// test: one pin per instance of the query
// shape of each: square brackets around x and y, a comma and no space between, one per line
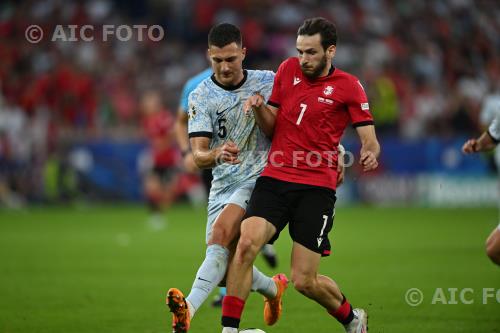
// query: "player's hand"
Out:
[368,160]
[189,164]
[253,102]
[228,153]
[470,146]
[340,169]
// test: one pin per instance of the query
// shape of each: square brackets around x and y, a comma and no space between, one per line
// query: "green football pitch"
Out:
[104,269]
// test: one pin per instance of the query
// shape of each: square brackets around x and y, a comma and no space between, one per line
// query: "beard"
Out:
[316,71]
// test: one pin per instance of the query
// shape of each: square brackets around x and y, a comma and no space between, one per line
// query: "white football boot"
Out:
[360,322]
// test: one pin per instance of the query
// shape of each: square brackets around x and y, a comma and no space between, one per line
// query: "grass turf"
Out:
[103,269]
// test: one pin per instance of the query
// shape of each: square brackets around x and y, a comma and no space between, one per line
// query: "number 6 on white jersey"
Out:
[303,108]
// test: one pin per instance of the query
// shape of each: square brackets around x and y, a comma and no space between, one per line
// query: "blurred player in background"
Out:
[224,139]
[161,181]
[311,104]
[181,127]
[488,141]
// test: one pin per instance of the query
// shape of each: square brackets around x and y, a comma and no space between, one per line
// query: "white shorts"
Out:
[238,196]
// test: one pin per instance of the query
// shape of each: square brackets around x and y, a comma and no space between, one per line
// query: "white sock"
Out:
[263,284]
[191,309]
[209,275]
[229,330]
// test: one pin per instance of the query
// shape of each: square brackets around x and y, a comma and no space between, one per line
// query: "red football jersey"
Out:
[158,128]
[312,117]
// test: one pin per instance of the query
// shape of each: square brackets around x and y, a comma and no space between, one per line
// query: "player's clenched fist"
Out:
[470,146]
[254,101]
[368,160]
[228,153]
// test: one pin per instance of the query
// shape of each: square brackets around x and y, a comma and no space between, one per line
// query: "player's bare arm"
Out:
[181,135]
[340,165]
[206,158]
[181,130]
[370,148]
[483,143]
[265,115]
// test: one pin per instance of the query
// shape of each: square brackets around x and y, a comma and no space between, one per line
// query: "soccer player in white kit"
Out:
[488,141]
[232,144]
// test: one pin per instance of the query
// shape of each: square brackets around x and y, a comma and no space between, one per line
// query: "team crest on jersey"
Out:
[328,90]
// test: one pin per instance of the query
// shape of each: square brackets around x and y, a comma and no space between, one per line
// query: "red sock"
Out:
[232,308]
[344,313]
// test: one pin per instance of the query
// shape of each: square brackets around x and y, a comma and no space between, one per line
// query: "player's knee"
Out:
[247,249]
[303,283]
[220,235]
[493,252]
[493,247]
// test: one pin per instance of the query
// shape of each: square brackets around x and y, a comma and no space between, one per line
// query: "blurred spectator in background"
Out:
[15,153]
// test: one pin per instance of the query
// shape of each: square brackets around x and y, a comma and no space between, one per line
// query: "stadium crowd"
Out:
[427,65]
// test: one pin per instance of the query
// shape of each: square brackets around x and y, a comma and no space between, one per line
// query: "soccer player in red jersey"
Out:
[160,182]
[311,105]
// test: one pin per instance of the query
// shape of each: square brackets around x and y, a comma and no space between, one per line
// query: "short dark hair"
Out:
[224,34]
[325,28]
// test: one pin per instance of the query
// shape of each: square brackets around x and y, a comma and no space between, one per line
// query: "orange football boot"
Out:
[180,312]
[273,306]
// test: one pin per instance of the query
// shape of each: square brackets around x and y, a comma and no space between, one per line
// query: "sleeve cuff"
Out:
[276,105]
[200,134]
[363,123]
[496,141]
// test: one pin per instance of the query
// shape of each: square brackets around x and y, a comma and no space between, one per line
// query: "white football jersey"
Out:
[490,114]
[216,112]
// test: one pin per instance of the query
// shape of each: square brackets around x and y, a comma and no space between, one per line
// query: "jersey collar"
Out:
[319,79]
[230,88]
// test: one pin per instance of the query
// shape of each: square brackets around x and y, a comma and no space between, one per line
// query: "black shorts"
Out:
[165,174]
[308,209]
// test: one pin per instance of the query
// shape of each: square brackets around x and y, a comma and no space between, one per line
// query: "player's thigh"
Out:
[226,226]
[225,219]
[312,219]
[304,267]
[268,203]
[257,231]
